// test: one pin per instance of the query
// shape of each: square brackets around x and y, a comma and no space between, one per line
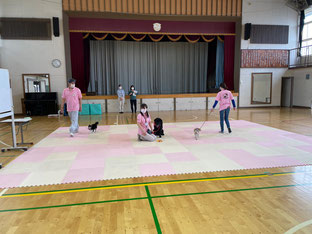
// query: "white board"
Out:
[5,94]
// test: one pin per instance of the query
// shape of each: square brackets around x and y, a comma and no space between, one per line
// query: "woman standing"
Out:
[72,97]
[145,125]
[133,101]
[225,98]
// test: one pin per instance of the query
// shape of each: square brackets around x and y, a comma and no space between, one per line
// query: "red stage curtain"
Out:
[99,36]
[155,37]
[144,26]
[220,38]
[208,38]
[229,50]
[86,49]
[86,35]
[119,36]
[192,38]
[77,59]
[174,37]
[138,37]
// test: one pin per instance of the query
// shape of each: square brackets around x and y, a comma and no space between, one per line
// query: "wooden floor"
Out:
[245,201]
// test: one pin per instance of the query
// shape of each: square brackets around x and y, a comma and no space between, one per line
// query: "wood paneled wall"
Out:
[158,7]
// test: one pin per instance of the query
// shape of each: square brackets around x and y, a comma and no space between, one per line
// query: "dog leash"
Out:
[205,120]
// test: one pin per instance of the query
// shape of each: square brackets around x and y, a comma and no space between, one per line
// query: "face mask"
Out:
[143,111]
[120,87]
[72,86]
[132,88]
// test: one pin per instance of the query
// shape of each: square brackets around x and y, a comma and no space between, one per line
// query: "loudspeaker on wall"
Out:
[247,31]
[56,27]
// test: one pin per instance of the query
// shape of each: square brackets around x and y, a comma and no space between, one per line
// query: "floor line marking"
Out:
[162,196]
[194,117]
[153,210]
[299,226]
[8,156]
[141,184]
[3,192]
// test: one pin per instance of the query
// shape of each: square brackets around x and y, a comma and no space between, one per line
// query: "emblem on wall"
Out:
[157,27]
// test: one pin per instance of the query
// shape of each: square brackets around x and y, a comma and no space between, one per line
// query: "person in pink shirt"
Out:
[225,98]
[145,125]
[72,97]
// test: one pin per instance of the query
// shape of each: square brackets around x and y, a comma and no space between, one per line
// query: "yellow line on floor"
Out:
[141,185]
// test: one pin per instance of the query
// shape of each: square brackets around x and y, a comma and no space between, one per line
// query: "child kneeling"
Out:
[145,125]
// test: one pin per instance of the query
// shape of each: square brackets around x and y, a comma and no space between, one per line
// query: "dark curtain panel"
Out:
[212,53]
[153,68]
[86,60]
[301,24]
[229,50]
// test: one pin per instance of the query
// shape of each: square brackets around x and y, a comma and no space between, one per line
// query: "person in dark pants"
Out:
[133,100]
[225,98]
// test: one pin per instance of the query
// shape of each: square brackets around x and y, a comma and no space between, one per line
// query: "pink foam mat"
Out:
[114,152]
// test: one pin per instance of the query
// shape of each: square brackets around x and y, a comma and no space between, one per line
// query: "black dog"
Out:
[158,127]
[93,127]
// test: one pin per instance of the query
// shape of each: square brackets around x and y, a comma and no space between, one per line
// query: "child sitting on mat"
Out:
[145,125]
[224,97]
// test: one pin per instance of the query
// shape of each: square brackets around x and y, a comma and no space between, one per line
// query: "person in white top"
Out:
[121,98]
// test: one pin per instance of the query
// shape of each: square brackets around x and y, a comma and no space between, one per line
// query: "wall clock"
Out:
[56,63]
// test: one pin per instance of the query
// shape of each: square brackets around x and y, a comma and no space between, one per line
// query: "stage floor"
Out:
[113,152]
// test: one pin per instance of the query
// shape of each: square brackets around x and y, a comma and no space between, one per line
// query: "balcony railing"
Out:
[300,57]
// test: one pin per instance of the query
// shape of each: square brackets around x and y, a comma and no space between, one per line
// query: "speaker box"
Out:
[247,31]
[56,27]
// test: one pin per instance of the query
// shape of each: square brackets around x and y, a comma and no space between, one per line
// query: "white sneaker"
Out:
[71,134]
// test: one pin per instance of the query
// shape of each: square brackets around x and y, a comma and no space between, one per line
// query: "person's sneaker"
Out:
[221,132]
[230,130]
[121,112]
[139,138]
[71,134]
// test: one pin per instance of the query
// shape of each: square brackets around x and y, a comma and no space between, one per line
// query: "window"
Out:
[307,33]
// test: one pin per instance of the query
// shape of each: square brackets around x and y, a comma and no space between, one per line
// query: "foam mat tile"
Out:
[114,152]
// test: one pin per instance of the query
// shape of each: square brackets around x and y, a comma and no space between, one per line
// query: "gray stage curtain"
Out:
[152,67]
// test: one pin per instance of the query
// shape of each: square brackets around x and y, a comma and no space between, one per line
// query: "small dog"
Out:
[196,133]
[158,127]
[93,127]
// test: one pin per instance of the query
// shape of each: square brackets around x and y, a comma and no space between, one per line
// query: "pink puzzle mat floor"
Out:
[113,152]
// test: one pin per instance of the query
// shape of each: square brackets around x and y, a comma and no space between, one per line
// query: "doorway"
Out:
[287,91]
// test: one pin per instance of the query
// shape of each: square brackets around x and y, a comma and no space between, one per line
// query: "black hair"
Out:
[119,85]
[132,86]
[143,106]
[223,85]
[71,80]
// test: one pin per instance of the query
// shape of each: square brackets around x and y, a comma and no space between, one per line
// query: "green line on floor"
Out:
[149,183]
[74,204]
[153,210]
[232,190]
[8,156]
[162,196]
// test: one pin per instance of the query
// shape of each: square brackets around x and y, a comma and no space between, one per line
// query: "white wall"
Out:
[302,87]
[33,56]
[266,12]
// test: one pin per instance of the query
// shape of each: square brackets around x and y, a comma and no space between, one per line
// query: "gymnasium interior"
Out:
[254,177]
